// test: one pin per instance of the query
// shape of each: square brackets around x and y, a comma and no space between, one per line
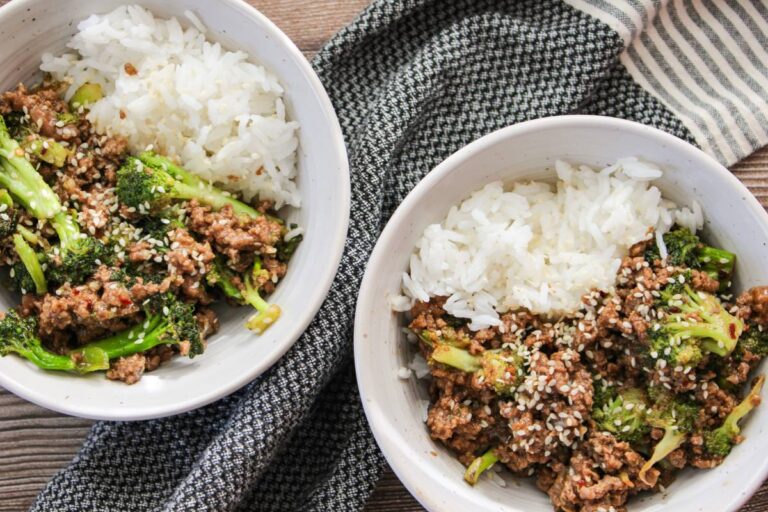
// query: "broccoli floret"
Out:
[153,183]
[480,465]
[222,277]
[503,369]
[22,180]
[718,264]
[686,249]
[446,336]
[78,254]
[169,321]
[721,440]
[159,227]
[755,340]
[673,414]
[692,323]
[623,414]
[682,246]
[19,336]
[285,249]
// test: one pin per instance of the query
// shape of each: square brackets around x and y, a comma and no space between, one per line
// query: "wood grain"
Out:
[35,443]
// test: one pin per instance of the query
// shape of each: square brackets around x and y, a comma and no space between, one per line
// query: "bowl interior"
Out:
[396,408]
[235,356]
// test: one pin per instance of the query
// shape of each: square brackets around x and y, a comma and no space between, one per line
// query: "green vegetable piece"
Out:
[47,150]
[22,180]
[267,313]
[479,466]
[79,255]
[156,181]
[457,358]
[676,417]
[31,263]
[86,95]
[721,440]
[623,415]
[686,249]
[169,321]
[755,340]
[695,323]
[222,277]
[5,198]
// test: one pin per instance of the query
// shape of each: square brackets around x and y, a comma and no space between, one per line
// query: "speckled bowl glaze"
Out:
[235,356]
[734,219]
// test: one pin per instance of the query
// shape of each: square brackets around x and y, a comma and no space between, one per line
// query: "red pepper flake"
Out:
[125,301]
[732,330]
[130,70]
[122,114]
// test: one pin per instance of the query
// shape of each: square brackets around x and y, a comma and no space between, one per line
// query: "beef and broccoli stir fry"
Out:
[613,400]
[117,257]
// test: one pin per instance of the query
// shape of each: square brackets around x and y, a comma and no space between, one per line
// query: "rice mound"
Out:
[218,114]
[537,246]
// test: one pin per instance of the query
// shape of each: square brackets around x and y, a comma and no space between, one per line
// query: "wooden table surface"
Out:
[35,442]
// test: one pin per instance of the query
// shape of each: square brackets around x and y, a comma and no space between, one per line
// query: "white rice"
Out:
[538,246]
[219,114]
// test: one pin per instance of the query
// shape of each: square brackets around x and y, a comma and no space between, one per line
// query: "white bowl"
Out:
[734,219]
[235,356]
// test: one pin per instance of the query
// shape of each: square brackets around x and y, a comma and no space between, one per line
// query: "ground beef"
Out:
[157,356]
[601,474]
[238,237]
[88,311]
[41,105]
[190,260]
[128,369]
[207,322]
[753,305]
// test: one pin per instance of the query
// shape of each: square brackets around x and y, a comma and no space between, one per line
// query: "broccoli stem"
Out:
[746,405]
[31,263]
[67,230]
[671,441]
[480,465]
[138,338]
[19,176]
[47,360]
[189,186]
[721,440]
[267,313]
[28,235]
[456,357]
[5,198]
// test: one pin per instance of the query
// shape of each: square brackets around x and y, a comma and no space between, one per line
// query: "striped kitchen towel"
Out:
[412,82]
[705,60]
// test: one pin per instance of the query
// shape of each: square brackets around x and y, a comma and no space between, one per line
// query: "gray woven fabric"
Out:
[412,82]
